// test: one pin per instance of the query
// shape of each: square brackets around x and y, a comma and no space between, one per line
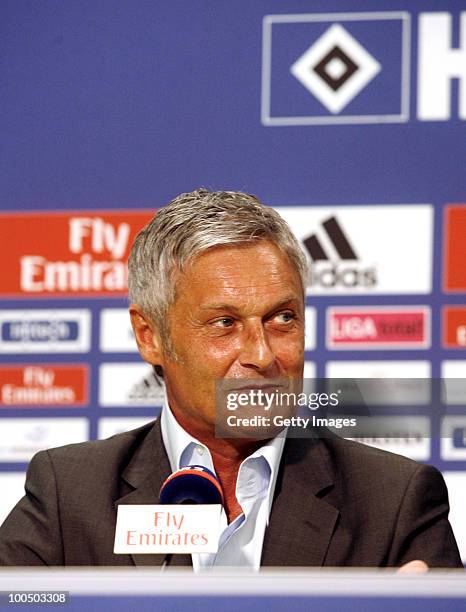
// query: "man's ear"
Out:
[147,336]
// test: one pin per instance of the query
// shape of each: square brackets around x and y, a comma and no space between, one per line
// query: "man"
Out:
[217,284]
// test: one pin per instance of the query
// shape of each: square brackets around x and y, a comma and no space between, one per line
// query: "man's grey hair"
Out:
[191,224]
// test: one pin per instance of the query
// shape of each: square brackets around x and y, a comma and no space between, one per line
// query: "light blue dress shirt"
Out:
[241,541]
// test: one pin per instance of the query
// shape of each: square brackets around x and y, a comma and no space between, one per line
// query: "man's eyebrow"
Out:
[225,306]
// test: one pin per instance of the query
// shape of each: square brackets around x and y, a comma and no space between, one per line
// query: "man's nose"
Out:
[256,351]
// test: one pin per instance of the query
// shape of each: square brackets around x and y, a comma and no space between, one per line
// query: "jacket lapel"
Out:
[301,522]
[143,478]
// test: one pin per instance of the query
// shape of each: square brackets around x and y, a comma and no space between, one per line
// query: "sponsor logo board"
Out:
[116,333]
[23,437]
[402,439]
[335,68]
[354,68]
[454,327]
[378,369]
[309,375]
[129,384]
[455,248]
[310,328]
[111,426]
[87,256]
[309,369]
[453,374]
[365,250]
[453,438]
[440,61]
[413,447]
[38,385]
[399,383]
[45,331]
[378,327]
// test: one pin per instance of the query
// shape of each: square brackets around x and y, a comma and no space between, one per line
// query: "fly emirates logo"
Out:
[70,254]
[87,237]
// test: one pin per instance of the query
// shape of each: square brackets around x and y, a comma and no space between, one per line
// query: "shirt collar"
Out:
[179,445]
[272,452]
[176,439]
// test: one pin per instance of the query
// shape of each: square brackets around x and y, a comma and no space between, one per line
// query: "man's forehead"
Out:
[238,274]
[246,297]
[261,261]
[217,302]
[239,284]
[226,280]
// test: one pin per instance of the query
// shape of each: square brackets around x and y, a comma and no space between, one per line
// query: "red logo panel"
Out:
[39,385]
[454,327]
[455,248]
[378,327]
[67,254]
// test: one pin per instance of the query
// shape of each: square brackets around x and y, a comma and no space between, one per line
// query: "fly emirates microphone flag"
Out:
[186,521]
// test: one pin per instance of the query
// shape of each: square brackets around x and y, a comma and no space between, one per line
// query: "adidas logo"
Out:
[335,272]
[148,389]
[337,238]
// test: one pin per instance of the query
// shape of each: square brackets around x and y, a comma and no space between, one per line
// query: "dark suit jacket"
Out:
[336,503]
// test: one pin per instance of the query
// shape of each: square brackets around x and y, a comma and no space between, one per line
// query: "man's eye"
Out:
[284,317]
[224,322]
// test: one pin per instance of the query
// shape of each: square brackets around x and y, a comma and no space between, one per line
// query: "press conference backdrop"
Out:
[349,118]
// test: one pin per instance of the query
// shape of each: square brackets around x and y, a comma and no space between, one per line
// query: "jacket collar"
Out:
[144,476]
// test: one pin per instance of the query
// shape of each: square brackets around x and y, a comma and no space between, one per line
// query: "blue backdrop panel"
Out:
[122,105]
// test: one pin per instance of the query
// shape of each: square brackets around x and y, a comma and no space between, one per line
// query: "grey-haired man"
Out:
[217,286]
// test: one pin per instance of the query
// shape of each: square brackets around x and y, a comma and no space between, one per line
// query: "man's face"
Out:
[238,314]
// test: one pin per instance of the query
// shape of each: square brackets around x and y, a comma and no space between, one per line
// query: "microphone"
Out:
[193,484]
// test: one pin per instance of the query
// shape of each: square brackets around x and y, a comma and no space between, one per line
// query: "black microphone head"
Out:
[193,484]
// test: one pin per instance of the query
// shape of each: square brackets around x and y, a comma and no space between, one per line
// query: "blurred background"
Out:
[349,118]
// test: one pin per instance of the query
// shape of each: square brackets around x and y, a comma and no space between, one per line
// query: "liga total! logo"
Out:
[43,385]
[67,253]
[378,327]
